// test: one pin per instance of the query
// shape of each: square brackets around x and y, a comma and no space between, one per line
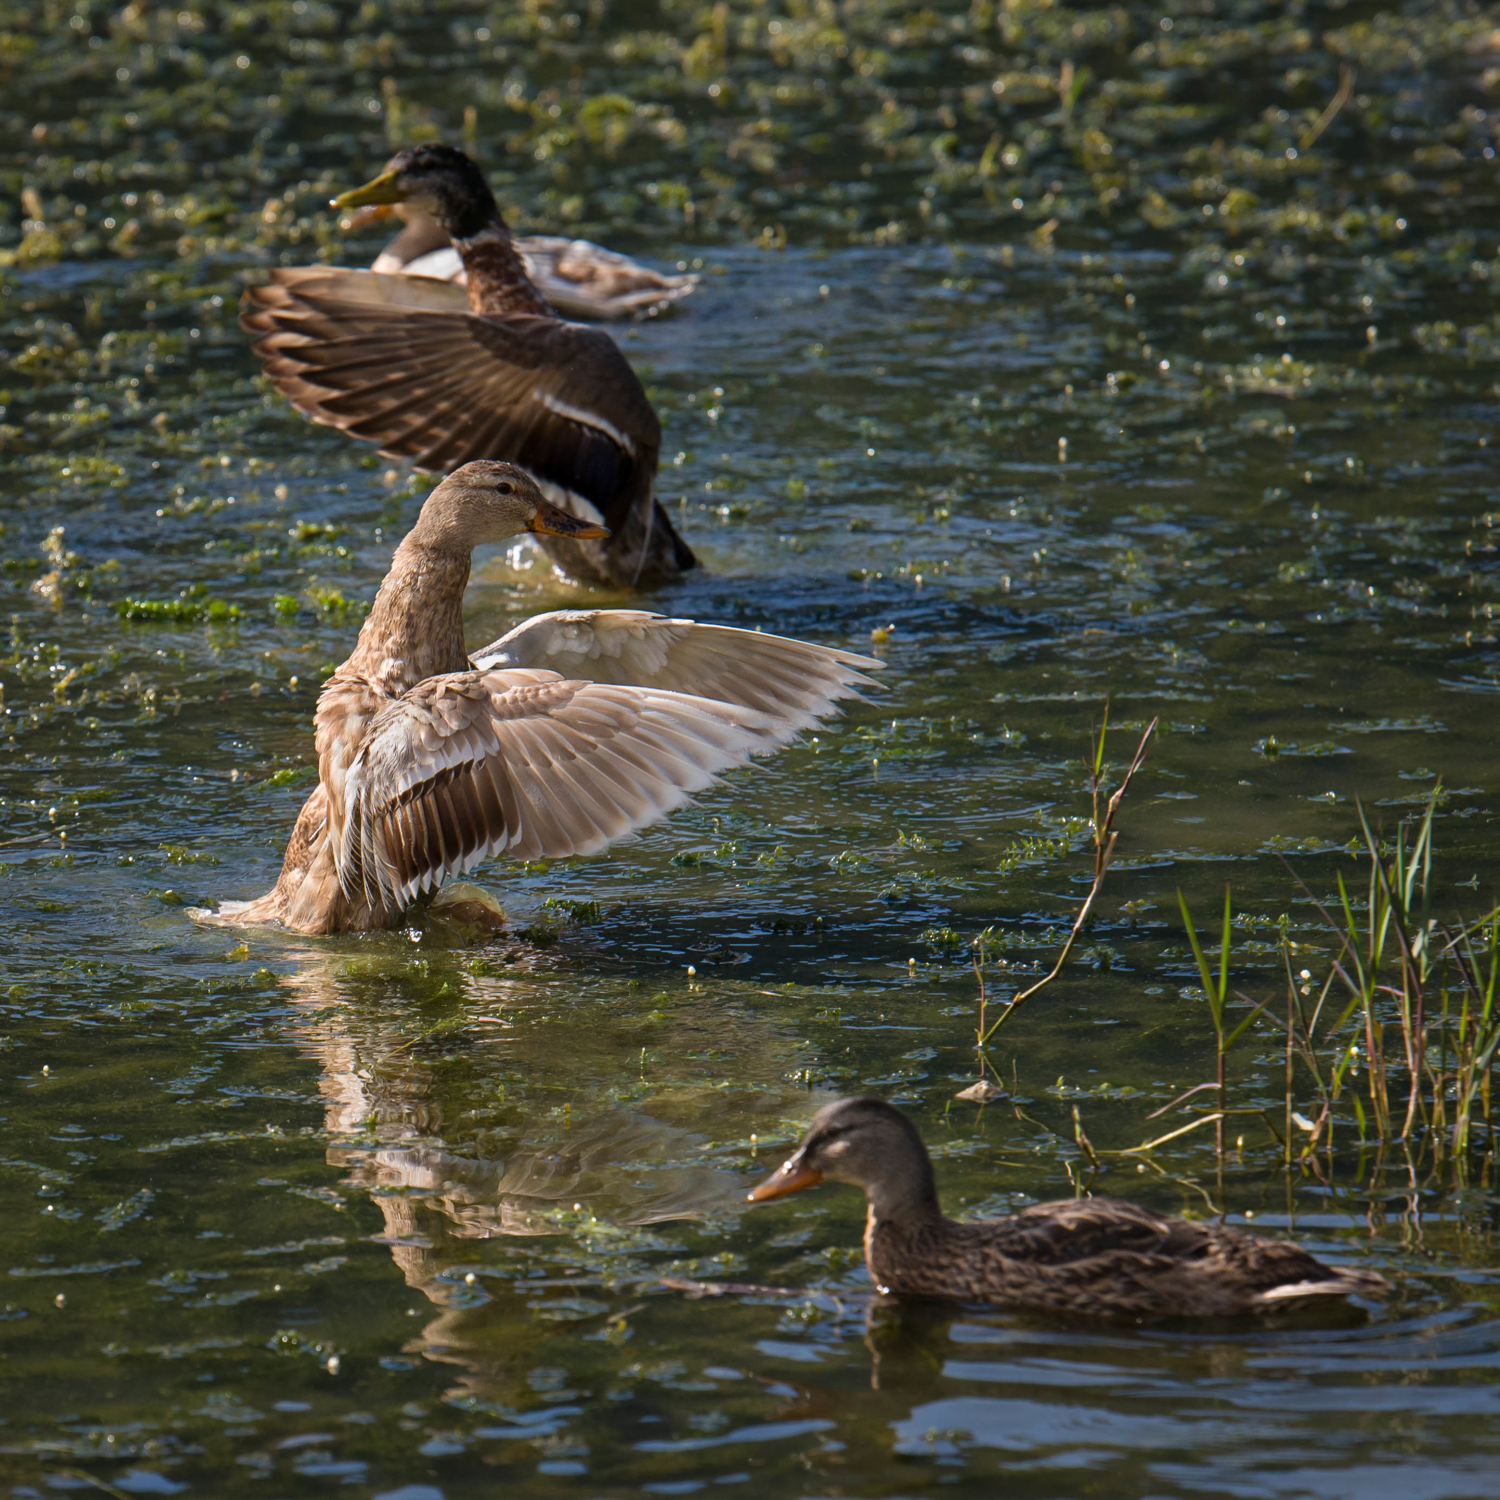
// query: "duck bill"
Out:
[362,218]
[384,189]
[551,520]
[790,1177]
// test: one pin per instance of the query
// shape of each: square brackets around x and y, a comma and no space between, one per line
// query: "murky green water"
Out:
[391,1215]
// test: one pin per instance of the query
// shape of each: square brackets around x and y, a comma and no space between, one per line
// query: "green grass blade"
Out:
[1214,1008]
[1224,945]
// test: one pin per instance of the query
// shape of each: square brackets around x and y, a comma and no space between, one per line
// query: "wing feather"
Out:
[401,854]
[796,682]
[475,763]
[400,361]
[449,850]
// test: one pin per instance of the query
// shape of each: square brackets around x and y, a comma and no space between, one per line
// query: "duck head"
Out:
[492,502]
[437,180]
[867,1143]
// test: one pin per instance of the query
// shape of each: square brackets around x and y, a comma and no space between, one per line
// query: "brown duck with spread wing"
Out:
[445,375]
[1093,1256]
[574,730]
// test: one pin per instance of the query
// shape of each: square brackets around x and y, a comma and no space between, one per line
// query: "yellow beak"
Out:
[384,189]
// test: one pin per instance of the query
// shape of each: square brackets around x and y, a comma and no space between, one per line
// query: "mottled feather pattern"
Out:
[495,275]
[1101,1254]
[472,764]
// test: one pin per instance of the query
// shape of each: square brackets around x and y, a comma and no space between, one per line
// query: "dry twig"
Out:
[1105,835]
[1339,100]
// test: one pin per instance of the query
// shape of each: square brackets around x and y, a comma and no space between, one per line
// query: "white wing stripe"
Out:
[583,418]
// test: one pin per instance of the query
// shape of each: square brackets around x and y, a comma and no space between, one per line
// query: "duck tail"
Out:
[264,911]
[1340,1282]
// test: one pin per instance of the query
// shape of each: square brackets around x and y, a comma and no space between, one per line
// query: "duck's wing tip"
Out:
[1340,1282]
[294,290]
[796,682]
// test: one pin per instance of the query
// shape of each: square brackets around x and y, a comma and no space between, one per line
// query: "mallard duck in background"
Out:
[579,278]
[444,375]
[570,732]
[1095,1256]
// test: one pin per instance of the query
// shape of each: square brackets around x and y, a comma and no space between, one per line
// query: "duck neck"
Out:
[903,1227]
[421,236]
[904,1194]
[415,628]
[497,277]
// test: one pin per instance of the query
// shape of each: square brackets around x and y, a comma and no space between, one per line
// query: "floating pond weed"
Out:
[1257,298]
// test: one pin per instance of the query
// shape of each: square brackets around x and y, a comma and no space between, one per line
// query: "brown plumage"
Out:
[1095,1256]
[444,375]
[429,762]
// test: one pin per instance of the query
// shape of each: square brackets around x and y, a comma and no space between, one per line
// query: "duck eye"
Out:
[506,487]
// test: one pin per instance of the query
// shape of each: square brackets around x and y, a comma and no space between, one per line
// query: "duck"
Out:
[574,730]
[577,277]
[1100,1257]
[443,375]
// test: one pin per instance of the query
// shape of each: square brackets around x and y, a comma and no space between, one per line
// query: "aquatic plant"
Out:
[1104,835]
[188,609]
[1273,522]
[1407,999]
[862,123]
[1410,1000]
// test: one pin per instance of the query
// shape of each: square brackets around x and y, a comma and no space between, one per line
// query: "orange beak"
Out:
[790,1177]
[552,521]
[361,218]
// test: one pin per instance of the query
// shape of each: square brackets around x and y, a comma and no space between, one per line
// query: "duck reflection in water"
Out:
[483,1130]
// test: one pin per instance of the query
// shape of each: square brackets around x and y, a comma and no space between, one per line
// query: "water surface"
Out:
[1205,425]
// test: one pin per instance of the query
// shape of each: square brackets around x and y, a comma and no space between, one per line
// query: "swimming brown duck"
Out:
[577,277]
[444,375]
[574,730]
[1093,1256]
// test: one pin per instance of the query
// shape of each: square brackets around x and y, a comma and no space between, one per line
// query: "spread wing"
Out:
[401,361]
[472,764]
[794,681]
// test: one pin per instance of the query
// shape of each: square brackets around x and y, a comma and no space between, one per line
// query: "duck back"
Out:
[1100,1256]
